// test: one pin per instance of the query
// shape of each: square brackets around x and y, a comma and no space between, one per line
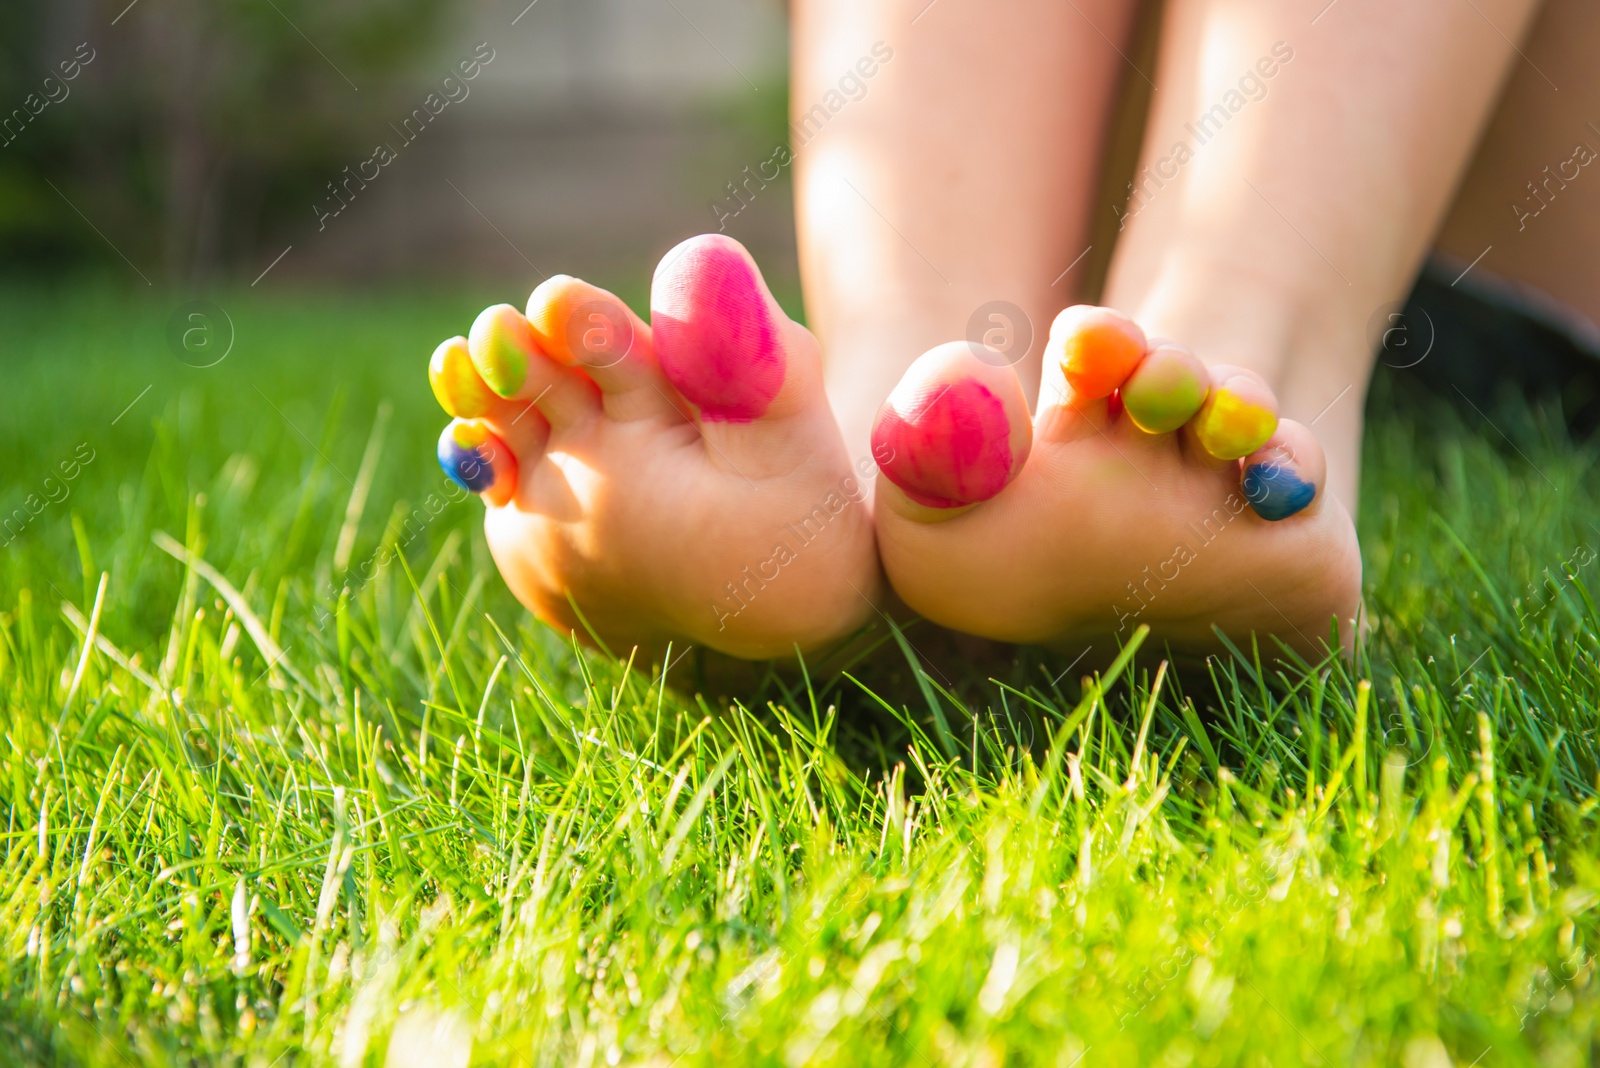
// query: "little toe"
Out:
[477,460]
[954,432]
[1286,476]
[1239,415]
[515,367]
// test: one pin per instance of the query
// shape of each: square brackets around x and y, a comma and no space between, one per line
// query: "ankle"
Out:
[1291,332]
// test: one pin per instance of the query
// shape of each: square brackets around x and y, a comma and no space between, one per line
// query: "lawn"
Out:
[291,780]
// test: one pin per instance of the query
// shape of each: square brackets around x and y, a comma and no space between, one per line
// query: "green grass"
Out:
[261,822]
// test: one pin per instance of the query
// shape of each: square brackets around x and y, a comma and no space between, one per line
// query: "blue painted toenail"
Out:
[464,455]
[468,470]
[1276,492]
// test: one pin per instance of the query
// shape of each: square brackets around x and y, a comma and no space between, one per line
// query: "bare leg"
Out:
[1298,161]
[963,176]
[1298,215]
[1543,132]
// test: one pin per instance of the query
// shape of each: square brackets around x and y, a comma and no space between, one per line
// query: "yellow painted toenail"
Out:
[1230,426]
[455,381]
[501,343]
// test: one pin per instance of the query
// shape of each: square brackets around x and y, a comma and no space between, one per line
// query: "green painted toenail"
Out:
[1165,391]
[501,342]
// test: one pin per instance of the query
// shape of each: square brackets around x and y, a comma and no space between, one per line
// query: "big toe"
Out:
[722,339]
[953,433]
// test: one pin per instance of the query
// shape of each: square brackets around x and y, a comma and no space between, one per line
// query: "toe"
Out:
[1285,477]
[477,460]
[1239,414]
[1096,350]
[456,382]
[954,432]
[462,392]
[586,327]
[1166,389]
[512,364]
[721,338]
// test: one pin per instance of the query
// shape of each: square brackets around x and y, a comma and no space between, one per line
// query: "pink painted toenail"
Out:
[949,447]
[715,334]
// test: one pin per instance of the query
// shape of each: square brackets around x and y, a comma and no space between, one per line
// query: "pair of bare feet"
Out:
[686,481]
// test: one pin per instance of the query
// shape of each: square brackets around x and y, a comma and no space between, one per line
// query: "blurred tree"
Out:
[189,131]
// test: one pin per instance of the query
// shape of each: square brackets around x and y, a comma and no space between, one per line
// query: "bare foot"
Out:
[1149,489]
[683,481]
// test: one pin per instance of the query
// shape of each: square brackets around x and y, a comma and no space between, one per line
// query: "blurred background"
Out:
[192,143]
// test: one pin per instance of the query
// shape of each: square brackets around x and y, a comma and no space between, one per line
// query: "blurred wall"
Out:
[375,139]
[594,141]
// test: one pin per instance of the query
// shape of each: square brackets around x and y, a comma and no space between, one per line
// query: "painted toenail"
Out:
[455,381]
[501,343]
[1097,349]
[716,337]
[949,448]
[473,458]
[1166,390]
[1275,491]
[1231,425]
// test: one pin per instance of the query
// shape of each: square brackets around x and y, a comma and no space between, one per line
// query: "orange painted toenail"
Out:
[1097,349]
[455,381]
[577,323]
